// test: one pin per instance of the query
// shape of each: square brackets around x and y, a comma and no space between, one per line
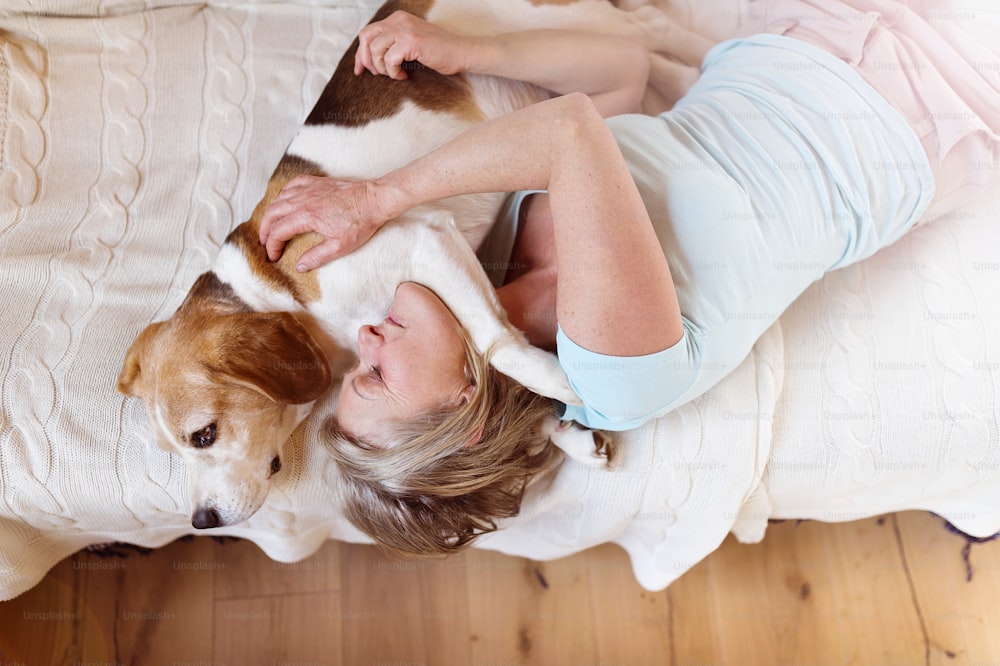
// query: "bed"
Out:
[134,134]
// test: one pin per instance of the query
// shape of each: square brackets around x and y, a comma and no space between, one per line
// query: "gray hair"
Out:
[432,484]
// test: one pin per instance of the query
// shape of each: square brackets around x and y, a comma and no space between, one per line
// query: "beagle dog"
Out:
[255,344]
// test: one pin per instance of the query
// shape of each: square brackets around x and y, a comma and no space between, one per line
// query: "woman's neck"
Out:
[529,290]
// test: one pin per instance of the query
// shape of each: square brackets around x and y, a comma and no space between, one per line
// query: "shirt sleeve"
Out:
[623,392]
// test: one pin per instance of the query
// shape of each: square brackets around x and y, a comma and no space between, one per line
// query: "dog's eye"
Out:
[275,465]
[376,373]
[204,437]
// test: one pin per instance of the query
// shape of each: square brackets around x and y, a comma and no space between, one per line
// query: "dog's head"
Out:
[224,388]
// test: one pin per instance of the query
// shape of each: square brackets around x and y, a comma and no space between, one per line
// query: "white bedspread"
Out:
[131,144]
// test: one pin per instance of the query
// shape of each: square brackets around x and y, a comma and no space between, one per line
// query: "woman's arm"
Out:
[611,70]
[614,292]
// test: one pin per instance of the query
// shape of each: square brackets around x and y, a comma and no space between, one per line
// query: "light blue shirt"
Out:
[779,165]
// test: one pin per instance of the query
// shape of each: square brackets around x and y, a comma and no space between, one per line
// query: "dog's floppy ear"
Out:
[274,354]
[130,379]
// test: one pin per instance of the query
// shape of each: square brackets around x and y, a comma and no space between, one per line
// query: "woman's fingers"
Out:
[383,53]
[319,254]
[286,216]
[286,223]
[279,207]
[383,47]
[331,248]
[385,61]
[393,60]
[362,57]
[343,211]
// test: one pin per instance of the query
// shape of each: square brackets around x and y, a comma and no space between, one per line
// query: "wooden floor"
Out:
[880,591]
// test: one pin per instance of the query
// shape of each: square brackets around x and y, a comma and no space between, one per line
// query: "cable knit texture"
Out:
[132,143]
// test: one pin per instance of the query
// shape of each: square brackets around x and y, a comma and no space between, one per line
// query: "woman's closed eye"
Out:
[369,384]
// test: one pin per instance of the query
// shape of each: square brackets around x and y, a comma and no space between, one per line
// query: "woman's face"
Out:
[411,363]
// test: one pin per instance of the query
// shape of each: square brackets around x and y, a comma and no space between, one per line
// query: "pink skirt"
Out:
[936,61]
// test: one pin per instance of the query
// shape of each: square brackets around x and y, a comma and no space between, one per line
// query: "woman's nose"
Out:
[369,338]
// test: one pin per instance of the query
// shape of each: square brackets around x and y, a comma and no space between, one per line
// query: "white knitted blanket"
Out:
[132,143]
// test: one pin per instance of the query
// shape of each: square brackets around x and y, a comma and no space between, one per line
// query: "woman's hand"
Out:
[610,69]
[345,212]
[384,46]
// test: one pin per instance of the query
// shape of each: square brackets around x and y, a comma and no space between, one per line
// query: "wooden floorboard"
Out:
[888,590]
[961,616]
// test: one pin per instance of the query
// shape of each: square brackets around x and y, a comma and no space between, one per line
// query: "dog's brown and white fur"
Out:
[240,364]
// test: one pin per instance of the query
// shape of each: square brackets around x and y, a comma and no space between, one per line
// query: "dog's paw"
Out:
[593,448]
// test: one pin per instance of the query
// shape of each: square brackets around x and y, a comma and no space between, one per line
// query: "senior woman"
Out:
[649,252]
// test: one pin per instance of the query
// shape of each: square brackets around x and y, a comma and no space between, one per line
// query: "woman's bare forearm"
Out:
[611,70]
[501,155]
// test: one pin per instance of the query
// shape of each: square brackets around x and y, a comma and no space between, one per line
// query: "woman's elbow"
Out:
[575,118]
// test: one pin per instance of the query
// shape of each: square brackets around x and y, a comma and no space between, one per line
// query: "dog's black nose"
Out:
[205,518]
